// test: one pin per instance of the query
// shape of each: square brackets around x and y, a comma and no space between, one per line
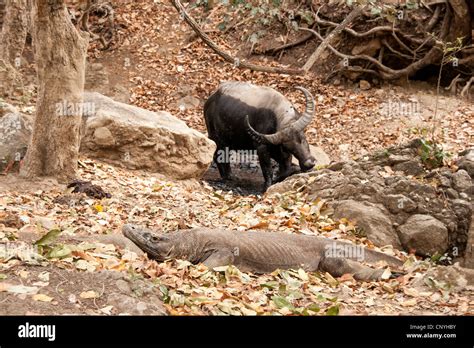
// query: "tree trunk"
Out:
[14,30]
[60,54]
[12,37]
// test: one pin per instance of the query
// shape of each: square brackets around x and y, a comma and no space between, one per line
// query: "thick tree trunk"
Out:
[60,53]
[12,40]
[14,30]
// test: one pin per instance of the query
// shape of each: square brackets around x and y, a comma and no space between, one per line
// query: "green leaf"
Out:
[48,238]
[282,302]
[59,252]
[3,276]
[313,307]
[270,285]
[334,310]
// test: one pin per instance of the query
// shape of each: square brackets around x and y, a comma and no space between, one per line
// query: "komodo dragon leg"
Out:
[219,258]
[337,266]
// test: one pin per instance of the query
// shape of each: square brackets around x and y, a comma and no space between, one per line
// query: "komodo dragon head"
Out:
[159,247]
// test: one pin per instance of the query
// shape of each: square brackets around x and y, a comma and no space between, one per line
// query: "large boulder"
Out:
[371,218]
[15,132]
[135,138]
[427,235]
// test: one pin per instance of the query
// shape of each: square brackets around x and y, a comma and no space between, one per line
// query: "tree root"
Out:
[332,35]
[428,50]
[465,90]
[83,22]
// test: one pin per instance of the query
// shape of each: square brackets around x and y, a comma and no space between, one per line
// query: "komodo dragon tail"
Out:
[361,254]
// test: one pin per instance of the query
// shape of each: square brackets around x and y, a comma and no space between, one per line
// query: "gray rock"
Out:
[6,108]
[412,167]
[455,277]
[444,181]
[461,180]
[364,85]
[425,234]
[398,203]
[188,102]
[103,137]
[123,286]
[466,162]
[396,159]
[452,193]
[125,304]
[15,133]
[96,78]
[468,260]
[371,219]
[140,139]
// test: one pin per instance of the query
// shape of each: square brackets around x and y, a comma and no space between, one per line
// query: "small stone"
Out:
[461,180]
[444,181]
[398,203]
[364,85]
[409,167]
[123,286]
[451,193]
[103,137]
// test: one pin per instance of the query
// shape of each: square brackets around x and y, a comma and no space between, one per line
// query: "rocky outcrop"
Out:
[136,138]
[429,211]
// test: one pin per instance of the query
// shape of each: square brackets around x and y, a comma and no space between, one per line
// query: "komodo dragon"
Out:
[260,251]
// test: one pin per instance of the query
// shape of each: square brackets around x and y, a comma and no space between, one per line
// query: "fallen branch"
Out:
[226,56]
[332,35]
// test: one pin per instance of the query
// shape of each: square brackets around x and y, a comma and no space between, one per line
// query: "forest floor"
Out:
[86,272]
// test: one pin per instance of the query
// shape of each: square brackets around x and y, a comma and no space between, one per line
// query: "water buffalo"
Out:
[243,116]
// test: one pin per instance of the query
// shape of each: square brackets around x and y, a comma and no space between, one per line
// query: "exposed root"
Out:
[83,22]
[465,90]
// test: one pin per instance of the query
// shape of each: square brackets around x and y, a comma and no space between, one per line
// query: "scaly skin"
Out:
[259,251]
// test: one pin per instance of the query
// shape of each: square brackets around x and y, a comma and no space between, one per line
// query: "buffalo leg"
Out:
[265,165]
[285,167]
[224,167]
